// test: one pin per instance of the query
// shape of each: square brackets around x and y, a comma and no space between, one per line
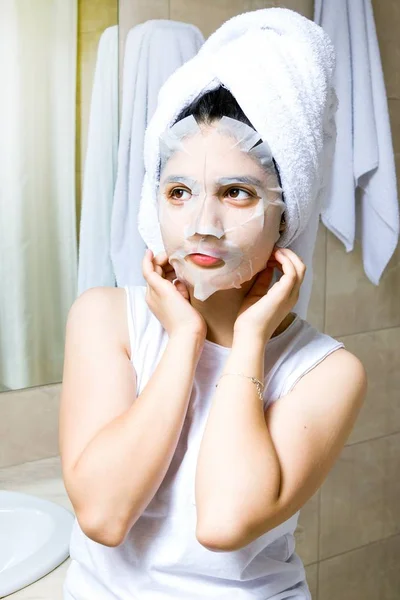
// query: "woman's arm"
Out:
[254,470]
[237,470]
[116,447]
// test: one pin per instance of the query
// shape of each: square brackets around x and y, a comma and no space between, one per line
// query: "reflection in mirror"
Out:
[48,56]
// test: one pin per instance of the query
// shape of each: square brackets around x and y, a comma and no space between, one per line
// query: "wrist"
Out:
[250,337]
[189,336]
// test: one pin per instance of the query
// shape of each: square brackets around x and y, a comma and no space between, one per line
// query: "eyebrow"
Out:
[179,178]
[249,179]
[241,179]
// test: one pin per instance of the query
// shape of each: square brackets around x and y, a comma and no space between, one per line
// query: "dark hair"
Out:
[216,104]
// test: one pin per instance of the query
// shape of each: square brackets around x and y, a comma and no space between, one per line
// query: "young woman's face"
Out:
[215,199]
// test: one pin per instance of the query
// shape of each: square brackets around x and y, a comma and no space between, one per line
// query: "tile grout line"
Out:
[379,437]
[343,335]
[384,539]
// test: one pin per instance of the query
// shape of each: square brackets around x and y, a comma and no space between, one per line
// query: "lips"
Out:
[210,253]
[203,254]
[205,260]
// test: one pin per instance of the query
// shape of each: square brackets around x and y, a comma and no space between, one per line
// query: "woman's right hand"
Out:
[168,301]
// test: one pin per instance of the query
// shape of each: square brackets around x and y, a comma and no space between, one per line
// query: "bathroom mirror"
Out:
[48,55]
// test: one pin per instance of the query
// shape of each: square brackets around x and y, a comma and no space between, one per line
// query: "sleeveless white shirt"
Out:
[160,558]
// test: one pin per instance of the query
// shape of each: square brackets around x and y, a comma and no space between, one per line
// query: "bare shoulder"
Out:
[340,372]
[99,381]
[310,425]
[103,308]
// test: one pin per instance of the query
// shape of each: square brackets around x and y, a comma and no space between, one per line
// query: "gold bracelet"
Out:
[258,383]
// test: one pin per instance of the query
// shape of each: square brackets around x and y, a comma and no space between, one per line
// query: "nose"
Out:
[207,219]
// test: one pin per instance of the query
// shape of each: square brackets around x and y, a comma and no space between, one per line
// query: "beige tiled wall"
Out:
[349,531]
[359,508]
[29,424]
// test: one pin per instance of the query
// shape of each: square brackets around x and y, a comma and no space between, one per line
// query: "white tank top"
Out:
[161,558]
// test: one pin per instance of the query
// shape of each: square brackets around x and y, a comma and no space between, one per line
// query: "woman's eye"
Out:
[178,194]
[234,194]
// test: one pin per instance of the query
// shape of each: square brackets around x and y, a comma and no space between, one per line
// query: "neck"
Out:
[220,311]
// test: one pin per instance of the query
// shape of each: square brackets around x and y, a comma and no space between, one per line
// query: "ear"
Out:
[282,225]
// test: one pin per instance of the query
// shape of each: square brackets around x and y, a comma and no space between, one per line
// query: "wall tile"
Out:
[29,424]
[312,579]
[211,15]
[304,7]
[132,13]
[379,353]
[390,58]
[353,303]
[394,114]
[96,15]
[306,533]
[387,20]
[391,571]
[359,499]
[257,4]
[368,573]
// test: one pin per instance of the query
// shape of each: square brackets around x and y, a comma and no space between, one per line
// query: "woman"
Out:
[182,489]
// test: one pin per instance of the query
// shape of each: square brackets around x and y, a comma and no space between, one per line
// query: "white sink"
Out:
[34,539]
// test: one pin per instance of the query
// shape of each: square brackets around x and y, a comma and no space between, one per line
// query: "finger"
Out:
[159,270]
[298,263]
[169,267]
[160,262]
[161,258]
[169,271]
[147,264]
[153,279]
[289,277]
[300,269]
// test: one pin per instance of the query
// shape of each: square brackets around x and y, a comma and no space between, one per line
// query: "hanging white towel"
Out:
[361,201]
[95,267]
[153,51]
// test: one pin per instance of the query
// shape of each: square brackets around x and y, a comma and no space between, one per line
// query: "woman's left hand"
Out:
[263,309]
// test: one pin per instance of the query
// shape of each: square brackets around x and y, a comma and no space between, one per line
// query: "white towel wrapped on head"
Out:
[279,67]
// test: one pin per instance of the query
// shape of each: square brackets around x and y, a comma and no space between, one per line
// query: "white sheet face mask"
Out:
[218,195]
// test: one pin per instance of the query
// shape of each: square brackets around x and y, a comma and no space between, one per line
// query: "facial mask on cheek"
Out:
[239,231]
